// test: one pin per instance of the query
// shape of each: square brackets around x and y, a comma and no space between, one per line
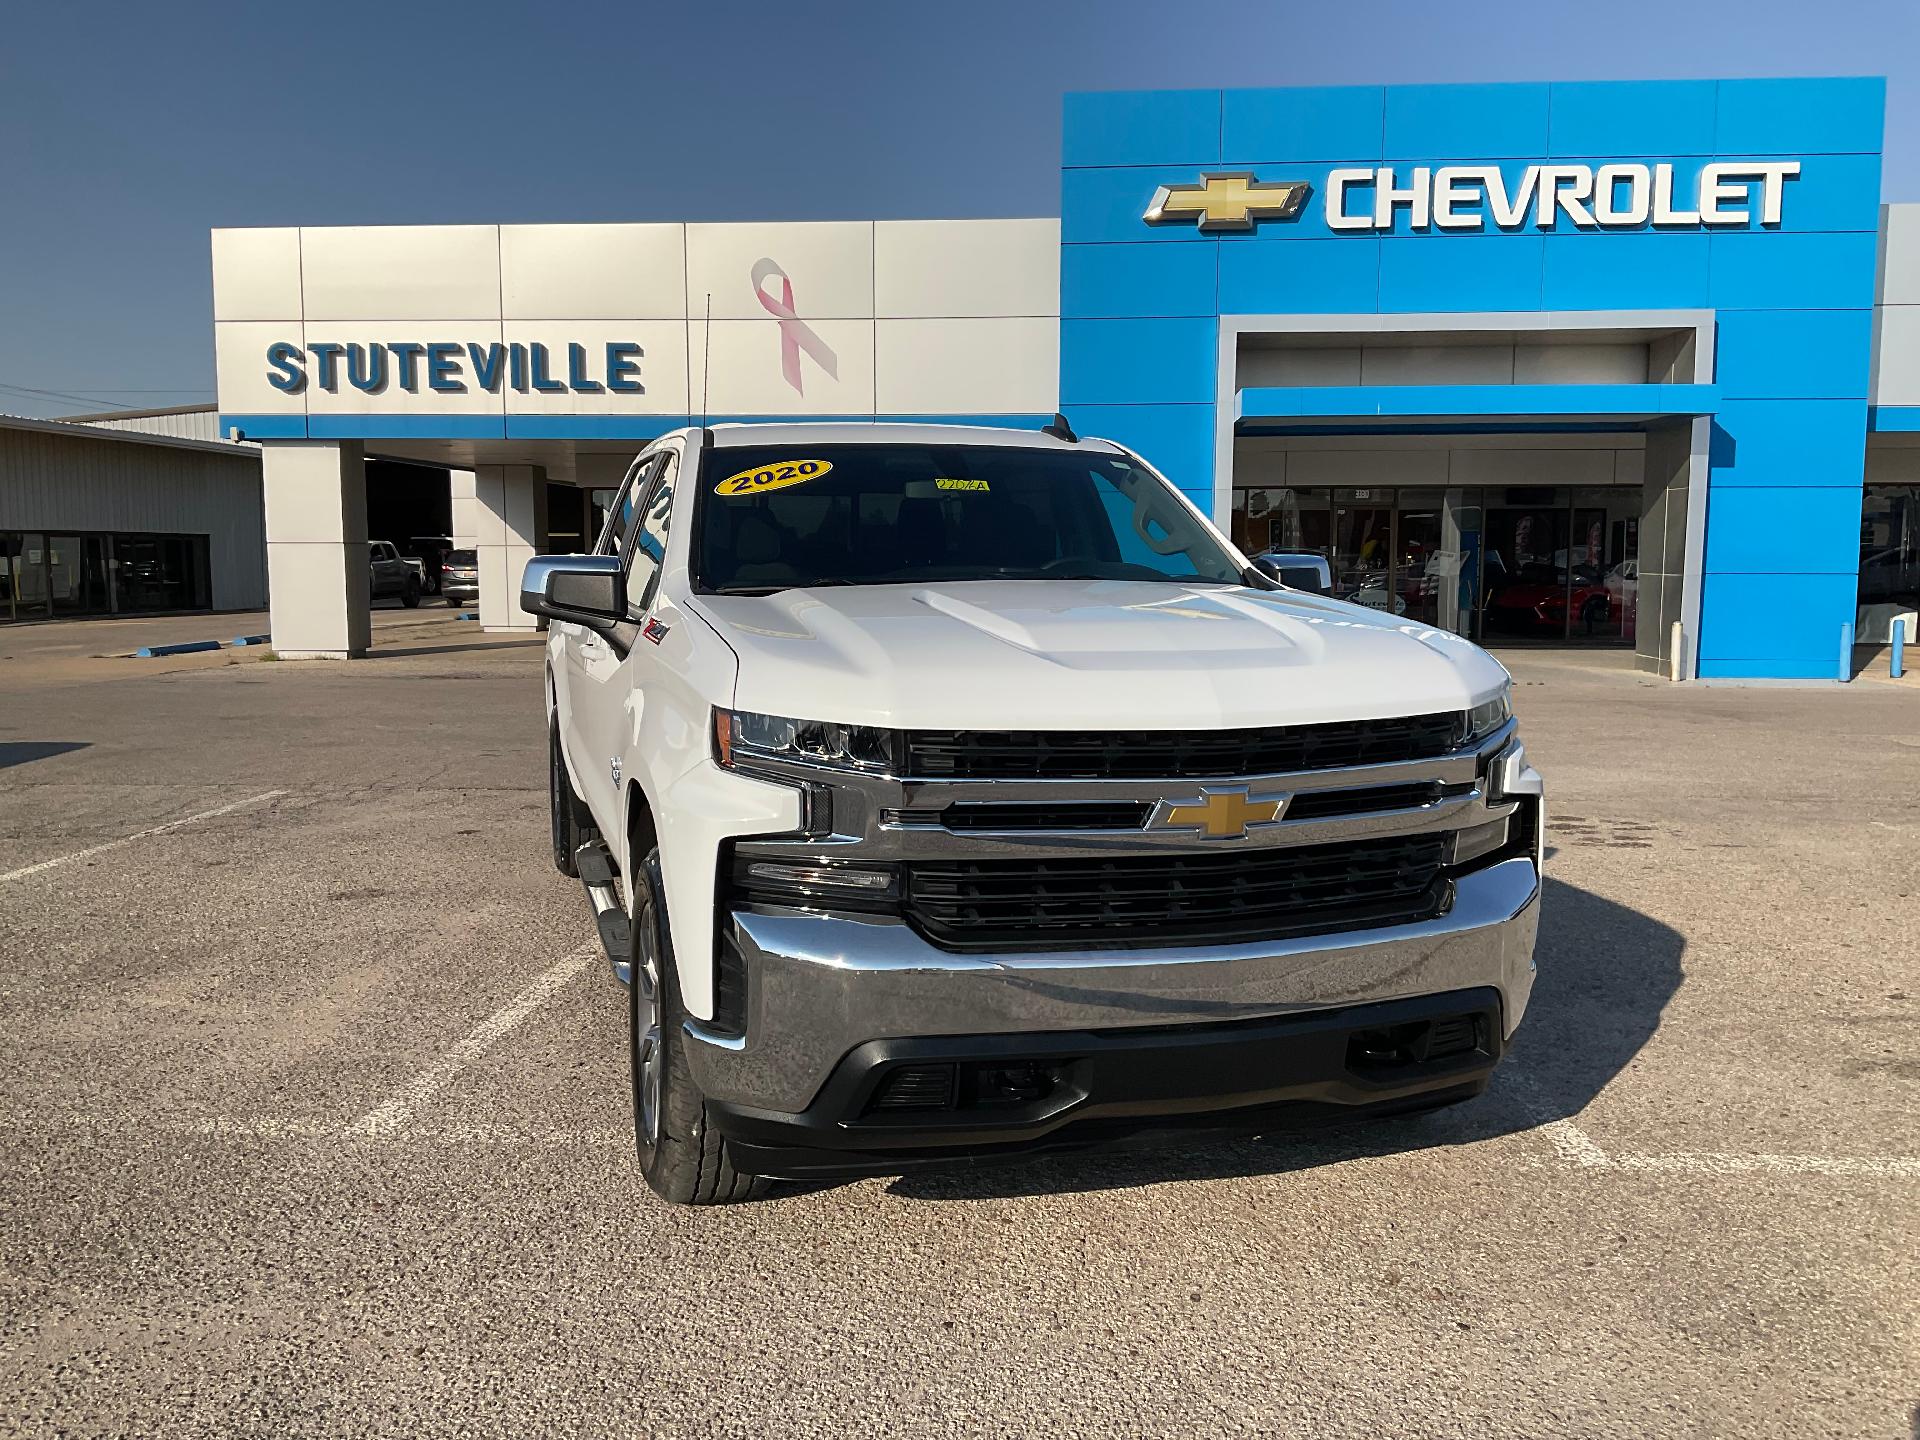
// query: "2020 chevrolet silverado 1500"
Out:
[949,792]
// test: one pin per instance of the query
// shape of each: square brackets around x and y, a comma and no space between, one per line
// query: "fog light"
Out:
[1480,840]
[1020,1084]
[820,877]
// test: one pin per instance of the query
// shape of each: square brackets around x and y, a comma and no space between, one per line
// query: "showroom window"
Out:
[1890,546]
[44,574]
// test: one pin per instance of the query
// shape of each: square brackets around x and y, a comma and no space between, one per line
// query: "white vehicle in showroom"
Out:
[947,793]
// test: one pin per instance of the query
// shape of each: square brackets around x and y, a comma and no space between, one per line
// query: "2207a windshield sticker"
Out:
[776,476]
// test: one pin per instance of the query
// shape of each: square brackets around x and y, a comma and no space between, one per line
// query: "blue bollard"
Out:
[1846,652]
[1898,638]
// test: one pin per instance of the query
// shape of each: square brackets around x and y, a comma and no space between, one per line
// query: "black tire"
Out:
[570,825]
[410,596]
[685,1160]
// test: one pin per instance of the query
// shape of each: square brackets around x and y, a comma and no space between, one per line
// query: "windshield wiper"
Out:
[778,589]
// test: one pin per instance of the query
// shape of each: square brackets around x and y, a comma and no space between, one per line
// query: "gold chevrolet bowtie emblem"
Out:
[1227,813]
[1230,201]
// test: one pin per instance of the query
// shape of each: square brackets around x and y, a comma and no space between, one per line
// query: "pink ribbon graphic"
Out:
[795,334]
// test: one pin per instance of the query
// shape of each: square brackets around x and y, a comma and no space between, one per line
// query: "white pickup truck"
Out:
[947,793]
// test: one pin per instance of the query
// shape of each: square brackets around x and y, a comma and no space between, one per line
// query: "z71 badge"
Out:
[654,631]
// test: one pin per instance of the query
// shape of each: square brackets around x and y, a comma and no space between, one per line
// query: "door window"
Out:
[649,550]
[613,539]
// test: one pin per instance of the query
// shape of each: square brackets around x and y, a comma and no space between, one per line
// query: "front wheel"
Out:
[684,1159]
[410,597]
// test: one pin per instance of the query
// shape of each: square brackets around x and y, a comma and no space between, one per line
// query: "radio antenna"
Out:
[706,360]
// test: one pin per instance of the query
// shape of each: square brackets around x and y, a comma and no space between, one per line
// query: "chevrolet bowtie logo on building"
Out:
[1224,812]
[1232,200]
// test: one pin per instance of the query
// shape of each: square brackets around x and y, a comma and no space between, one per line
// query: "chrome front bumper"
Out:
[818,986]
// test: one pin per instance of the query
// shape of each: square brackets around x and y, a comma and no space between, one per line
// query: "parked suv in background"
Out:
[460,577]
[947,793]
[393,576]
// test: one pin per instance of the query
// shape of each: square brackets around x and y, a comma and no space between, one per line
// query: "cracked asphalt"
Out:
[1689,1206]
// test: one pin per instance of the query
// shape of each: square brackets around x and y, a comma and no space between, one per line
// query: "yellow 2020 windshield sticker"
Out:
[776,476]
[961,485]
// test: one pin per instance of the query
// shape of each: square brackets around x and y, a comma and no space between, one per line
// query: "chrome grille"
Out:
[1177,754]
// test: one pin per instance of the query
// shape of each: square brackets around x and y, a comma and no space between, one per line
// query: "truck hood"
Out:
[1087,654]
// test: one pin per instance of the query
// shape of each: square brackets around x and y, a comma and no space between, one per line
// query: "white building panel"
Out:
[240,366]
[401,272]
[1900,254]
[593,272]
[256,274]
[971,268]
[1897,357]
[763,368]
[968,367]
[393,398]
[814,271]
[662,366]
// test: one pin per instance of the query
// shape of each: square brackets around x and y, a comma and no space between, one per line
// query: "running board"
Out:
[609,915]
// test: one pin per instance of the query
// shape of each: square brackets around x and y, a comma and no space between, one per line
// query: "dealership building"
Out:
[1631,364]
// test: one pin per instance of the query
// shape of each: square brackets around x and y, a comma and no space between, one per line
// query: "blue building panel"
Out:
[1632,118]
[1322,277]
[1105,206]
[1832,192]
[1142,127]
[1488,272]
[1122,279]
[1761,530]
[1801,117]
[1307,123]
[1466,122]
[1138,362]
[1646,271]
[1760,271]
[1775,625]
[1793,443]
[1794,354]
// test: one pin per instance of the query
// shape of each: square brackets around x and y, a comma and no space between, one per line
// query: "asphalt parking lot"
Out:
[316,1122]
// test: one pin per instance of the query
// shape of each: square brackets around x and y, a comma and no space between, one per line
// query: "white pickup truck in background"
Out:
[948,793]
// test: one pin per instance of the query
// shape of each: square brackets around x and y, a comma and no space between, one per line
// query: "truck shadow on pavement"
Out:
[22,752]
[1606,973]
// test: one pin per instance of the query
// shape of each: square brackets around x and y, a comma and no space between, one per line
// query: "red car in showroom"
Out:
[1539,598]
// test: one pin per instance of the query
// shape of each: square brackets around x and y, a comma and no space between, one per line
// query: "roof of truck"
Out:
[844,432]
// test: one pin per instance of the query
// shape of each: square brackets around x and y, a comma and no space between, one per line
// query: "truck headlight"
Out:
[744,735]
[1489,715]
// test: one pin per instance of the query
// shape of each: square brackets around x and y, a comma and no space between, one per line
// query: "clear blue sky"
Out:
[130,131]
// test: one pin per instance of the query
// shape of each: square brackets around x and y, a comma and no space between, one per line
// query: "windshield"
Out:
[779,518]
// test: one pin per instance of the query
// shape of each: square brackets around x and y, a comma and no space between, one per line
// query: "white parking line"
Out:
[27,870]
[386,1119]
[1715,1163]
[1569,1141]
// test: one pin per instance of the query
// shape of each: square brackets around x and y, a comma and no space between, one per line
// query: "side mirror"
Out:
[1302,571]
[585,590]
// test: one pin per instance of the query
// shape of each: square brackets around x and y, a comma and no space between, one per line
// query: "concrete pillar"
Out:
[512,505]
[318,579]
[465,531]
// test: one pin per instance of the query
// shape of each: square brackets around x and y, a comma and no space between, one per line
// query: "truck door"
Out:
[586,681]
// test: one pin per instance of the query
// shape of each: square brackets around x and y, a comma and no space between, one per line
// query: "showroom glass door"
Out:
[1437,557]
[1362,553]
[77,574]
